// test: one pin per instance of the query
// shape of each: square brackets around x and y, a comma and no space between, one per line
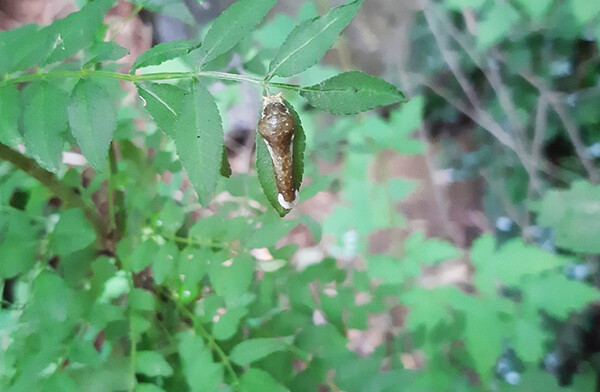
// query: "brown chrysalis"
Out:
[277,128]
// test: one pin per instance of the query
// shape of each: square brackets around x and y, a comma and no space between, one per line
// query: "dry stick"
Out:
[57,187]
[439,194]
[554,99]
[495,81]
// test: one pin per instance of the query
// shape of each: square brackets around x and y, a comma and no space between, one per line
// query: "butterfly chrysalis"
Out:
[277,128]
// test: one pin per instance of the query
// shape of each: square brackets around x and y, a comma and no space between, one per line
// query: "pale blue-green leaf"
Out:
[311,39]
[152,364]
[352,92]
[228,323]
[496,24]
[44,123]
[558,295]
[574,215]
[93,120]
[585,10]
[256,380]
[199,141]
[234,24]
[252,350]
[10,112]
[11,41]
[72,233]
[161,53]
[199,369]
[231,278]
[18,244]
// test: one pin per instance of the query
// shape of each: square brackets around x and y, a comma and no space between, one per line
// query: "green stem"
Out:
[132,352]
[207,336]
[84,73]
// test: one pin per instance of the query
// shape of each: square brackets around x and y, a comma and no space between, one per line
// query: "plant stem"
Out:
[67,194]
[206,336]
[84,73]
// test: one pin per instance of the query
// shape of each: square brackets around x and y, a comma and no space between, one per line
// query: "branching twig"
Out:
[67,194]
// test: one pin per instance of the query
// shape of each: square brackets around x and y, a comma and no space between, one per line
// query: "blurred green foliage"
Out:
[176,298]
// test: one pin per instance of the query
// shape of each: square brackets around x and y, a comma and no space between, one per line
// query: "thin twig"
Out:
[571,128]
[49,180]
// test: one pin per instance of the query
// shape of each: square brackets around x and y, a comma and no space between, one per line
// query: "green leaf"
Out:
[585,10]
[18,243]
[252,350]
[199,141]
[483,338]
[140,299]
[559,296]
[10,112]
[164,103]
[13,42]
[72,233]
[535,8]
[93,120]
[231,278]
[310,40]
[228,323]
[496,24]
[574,215]
[152,364]
[256,380]
[161,53]
[459,5]
[352,92]
[164,262]
[77,30]
[264,163]
[201,373]
[142,256]
[232,26]
[44,122]
[104,51]
[143,387]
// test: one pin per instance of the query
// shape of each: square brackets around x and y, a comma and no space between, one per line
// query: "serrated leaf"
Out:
[256,380]
[201,373]
[232,26]
[10,112]
[199,141]
[44,122]
[310,40]
[13,42]
[352,92]
[143,387]
[104,51]
[558,295]
[252,350]
[93,120]
[77,30]
[161,53]
[164,103]
[152,364]
[231,278]
[264,163]
[574,215]
[228,323]
[18,243]
[483,345]
[72,233]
